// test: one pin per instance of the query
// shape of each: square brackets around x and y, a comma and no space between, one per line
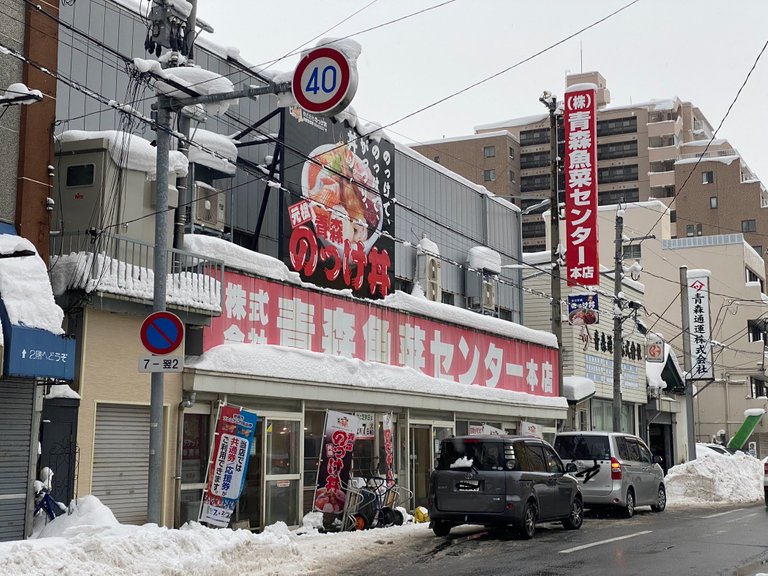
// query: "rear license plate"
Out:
[468,486]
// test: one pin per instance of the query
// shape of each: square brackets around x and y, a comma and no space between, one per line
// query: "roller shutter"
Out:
[121,460]
[16,408]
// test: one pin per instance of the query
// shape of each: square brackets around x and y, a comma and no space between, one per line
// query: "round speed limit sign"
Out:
[324,82]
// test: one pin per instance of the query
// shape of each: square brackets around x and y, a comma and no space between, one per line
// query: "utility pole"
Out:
[687,363]
[618,342]
[550,101]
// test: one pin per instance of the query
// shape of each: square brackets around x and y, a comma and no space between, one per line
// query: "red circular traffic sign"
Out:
[324,81]
[162,332]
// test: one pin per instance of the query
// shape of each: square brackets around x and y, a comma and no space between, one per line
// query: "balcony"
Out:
[123,267]
[662,154]
[709,154]
[665,127]
[661,179]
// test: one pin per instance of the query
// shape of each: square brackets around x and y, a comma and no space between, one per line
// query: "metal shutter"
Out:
[121,460]
[16,408]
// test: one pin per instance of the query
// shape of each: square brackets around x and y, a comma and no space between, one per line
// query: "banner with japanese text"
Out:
[580,169]
[229,462]
[335,462]
[388,427]
[260,311]
[702,367]
[339,220]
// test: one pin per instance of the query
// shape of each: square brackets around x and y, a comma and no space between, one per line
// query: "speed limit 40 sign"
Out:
[324,81]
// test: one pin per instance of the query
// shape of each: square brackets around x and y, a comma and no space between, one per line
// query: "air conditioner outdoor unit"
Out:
[209,208]
[433,289]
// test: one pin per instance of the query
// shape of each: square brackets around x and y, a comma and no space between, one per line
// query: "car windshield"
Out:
[582,447]
[468,453]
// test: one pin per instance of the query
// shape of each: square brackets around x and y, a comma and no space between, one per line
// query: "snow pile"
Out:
[88,515]
[716,478]
[61,391]
[130,151]
[18,93]
[218,152]
[25,288]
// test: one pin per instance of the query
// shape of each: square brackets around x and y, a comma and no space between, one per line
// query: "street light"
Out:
[550,101]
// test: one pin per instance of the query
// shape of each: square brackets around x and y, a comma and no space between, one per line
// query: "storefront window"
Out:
[194,448]
[282,447]
[602,416]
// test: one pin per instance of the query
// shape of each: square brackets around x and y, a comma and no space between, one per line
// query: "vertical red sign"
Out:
[580,123]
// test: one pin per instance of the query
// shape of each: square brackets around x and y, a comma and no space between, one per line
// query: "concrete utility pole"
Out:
[618,319]
[550,101]
[687,363]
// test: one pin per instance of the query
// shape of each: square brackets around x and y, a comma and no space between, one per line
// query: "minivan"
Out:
[614,469]
[502,480]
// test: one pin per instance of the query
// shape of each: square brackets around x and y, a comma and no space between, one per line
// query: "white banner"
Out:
[702,367]
[531,429]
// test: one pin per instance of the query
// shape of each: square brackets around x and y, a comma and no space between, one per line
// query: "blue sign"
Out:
[36,353]
[583,309]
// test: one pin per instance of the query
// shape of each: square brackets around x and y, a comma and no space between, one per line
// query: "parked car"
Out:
[502,480]
[706,448]
[765,479]
[614,469]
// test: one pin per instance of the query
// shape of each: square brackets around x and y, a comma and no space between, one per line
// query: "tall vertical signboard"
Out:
[228,465]
[702,367]
[580,122]
[339,220]
[335,462]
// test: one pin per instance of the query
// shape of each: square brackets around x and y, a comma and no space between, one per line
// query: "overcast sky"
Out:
[700,51]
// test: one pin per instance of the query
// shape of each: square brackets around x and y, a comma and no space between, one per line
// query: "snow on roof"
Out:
[653,105]
[577,388]
[198,79]
[715,142]
[18,89]
[500,133]
[426,245]
[25,288]
[484,258]
[581,86]
[542,257]
[61,391]
[240,258]
[291,364]
[130,151]
[217,143]
[727,160]
[522,121]
[182,6]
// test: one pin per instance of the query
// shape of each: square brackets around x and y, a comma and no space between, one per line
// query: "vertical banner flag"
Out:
[580,122]
[335,462]
[229,462]
[389,449]
[700,335]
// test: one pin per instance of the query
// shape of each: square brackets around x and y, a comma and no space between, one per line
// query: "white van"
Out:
[614,469]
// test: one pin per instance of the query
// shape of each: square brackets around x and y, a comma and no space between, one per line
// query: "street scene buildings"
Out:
[317,266]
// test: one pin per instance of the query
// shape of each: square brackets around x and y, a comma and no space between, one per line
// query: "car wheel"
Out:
[528,528]
[441,528]
[576,517]
[766,496]
[629,507]
[661,500]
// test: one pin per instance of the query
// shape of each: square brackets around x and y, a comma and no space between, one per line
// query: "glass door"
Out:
[282,465]
[421,462]
[248,513]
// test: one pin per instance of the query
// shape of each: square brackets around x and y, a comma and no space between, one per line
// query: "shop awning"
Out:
[577,388]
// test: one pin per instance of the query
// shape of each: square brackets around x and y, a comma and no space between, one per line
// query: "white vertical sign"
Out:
[702,367]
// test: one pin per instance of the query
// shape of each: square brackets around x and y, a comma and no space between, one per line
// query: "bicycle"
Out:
[44,502]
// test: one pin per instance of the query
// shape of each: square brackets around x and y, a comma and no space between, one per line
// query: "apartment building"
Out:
[637,150]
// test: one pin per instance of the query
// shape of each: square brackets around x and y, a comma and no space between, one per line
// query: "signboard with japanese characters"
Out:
[583,309]
[261,311]
[580,122]
[335,462]
[229,463]
[339,218]
[388,428]
[700,335]
[367,427]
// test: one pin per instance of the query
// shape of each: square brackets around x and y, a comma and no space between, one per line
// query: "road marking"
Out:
[740,518]
[724,513]
[585,546]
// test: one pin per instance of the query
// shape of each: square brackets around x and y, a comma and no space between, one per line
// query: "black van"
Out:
[502,480]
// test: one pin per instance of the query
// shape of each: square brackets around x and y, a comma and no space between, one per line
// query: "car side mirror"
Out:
[571,467]
[658,459]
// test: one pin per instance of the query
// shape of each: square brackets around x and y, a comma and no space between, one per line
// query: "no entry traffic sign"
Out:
[162,332]
[324,81]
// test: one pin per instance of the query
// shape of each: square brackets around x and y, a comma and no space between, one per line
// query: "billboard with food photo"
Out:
[339,207]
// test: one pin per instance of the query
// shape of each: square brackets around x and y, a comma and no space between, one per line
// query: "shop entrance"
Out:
[424,444]
[273,483]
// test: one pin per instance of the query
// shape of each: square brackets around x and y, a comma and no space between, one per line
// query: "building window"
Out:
[713,201]
[689,230]
[489,175]
[698,229]
[748,226]
[512,176]
[437,159]
[758,249]
[447,298]
[489,151]
[511,152]
[707,177]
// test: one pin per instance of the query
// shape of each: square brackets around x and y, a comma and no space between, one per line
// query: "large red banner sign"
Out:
[580,120]
[260,311]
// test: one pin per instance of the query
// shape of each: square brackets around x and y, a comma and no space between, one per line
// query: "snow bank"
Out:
[716,478]
[218,152]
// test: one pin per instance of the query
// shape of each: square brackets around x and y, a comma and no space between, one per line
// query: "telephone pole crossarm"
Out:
[250,92]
